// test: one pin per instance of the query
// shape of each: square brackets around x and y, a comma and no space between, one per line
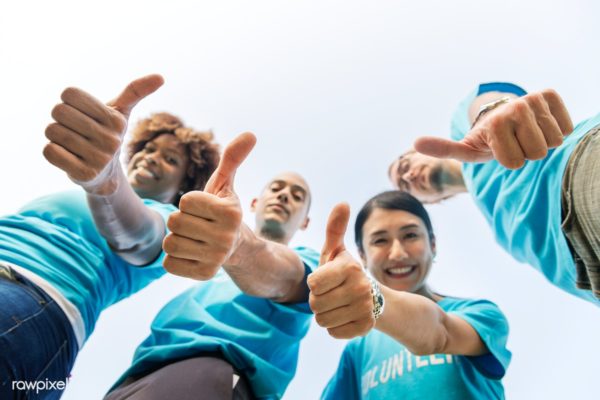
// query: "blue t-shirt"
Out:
[379,367]
[56,238]
[259,337]
[523,206]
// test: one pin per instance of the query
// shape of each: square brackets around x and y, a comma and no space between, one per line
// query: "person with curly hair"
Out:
[66,257]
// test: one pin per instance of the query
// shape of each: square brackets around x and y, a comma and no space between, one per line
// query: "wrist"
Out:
[245,247]
[107,181]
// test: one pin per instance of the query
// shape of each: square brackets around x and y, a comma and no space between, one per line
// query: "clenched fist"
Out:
[340,290]
[206,229]
[86,138]
[525,128]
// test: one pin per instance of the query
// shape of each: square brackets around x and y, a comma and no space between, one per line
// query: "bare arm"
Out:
[424,328]
[264,268]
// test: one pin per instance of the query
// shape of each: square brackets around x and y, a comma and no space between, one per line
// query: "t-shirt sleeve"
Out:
[492,326]
[461,125]
[343,384]
[164,210]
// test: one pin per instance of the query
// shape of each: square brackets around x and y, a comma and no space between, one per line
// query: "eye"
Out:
[298,197]
[171,160]
[411,235]
[379,241]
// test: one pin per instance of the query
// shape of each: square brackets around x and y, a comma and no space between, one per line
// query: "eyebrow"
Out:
[402,228]
[293,187]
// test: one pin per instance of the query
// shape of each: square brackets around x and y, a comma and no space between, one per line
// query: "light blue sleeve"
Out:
[460,124]
[165,210]
[492,326]
[344,384]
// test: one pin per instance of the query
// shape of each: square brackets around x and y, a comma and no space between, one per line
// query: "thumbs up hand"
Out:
[206,229]
[340,291]
[86,138]
[522,129]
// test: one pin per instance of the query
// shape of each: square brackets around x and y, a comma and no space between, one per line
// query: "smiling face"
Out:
[397,249]
[423,176]
[282,208]
[157,171]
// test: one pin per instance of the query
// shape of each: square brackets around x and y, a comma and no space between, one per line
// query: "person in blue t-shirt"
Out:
[66,257]
[533,176]
[425,344]
[237,335]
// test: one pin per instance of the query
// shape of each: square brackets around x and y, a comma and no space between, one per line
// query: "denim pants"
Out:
[37,343]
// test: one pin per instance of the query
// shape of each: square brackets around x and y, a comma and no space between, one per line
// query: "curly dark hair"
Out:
[203,153]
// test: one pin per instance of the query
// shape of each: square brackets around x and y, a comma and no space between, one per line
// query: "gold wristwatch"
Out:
[487,107]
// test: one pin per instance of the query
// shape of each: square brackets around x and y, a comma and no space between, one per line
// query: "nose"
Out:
[397,252]
[150,158]
[283,197]
[409,175]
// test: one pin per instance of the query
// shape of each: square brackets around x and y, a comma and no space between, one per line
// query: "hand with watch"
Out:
[508,129]
[344,299]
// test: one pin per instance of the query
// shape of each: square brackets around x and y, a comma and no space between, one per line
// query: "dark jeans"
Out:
[37,343]
[199,378]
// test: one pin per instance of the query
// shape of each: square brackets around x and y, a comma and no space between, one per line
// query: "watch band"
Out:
[378,299]
[487,107]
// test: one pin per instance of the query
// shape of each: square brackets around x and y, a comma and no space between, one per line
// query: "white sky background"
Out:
[334,90]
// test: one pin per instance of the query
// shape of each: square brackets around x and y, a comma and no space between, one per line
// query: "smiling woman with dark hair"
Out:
[425,344]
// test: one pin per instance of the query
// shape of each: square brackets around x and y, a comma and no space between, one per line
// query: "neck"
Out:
[268,234]
[425,291]
[453,178]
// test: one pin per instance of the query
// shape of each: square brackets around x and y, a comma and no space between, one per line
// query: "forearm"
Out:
[131,229]
[263,268]
[424,328]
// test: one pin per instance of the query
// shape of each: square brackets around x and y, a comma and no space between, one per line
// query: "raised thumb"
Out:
[134,92]
[334,235]
[233,156]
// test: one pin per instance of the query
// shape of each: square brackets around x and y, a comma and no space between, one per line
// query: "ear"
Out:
[433,246]
[304,224]
[363,258]
[253,204]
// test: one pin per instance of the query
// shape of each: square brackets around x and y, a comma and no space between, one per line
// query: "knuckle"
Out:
[336,333]
[170,245]
[48,152]
[313,303]
[58,111]
[320,320]
[519,106]
[550,94]
[174,222]
[69,93]
[536,98]
[51,131]
[186,201]
[205,272]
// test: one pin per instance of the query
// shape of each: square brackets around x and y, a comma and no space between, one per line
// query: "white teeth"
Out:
[145,173]
[400,270]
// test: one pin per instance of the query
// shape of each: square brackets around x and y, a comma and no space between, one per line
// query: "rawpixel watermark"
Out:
[40,386]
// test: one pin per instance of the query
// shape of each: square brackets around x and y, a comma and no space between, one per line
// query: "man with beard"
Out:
[534,177]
